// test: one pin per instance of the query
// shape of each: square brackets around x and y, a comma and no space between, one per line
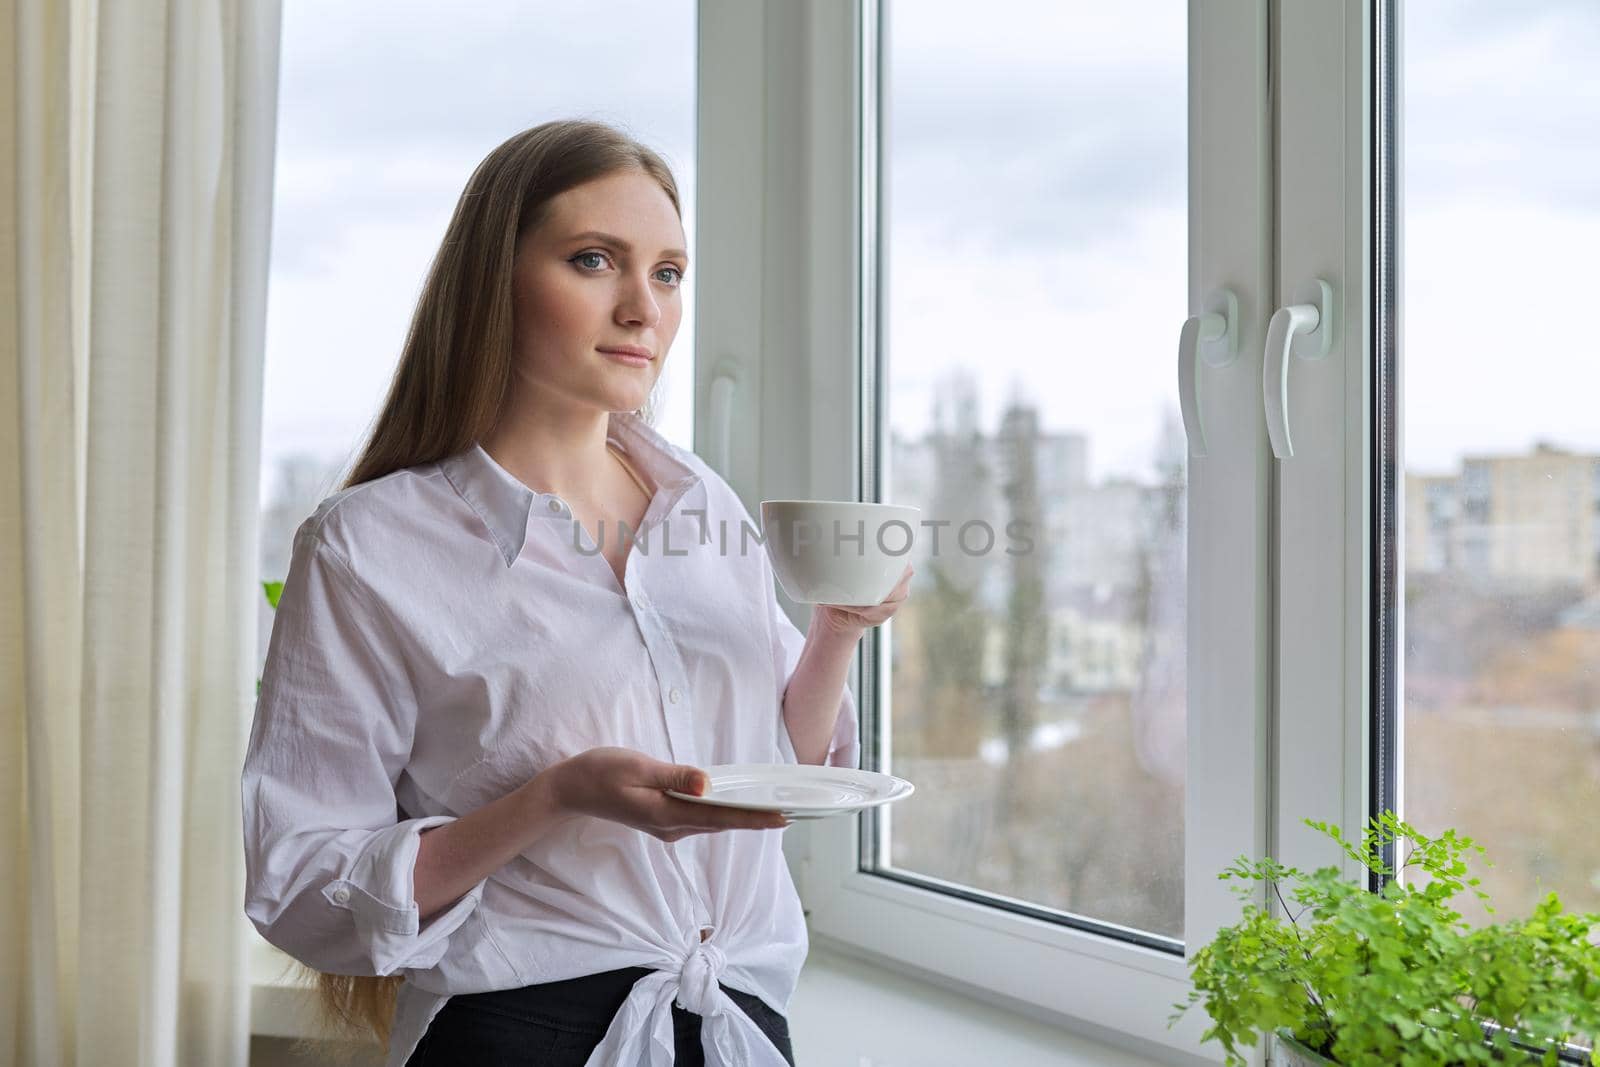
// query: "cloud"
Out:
[463,77]
[1014,125]
[386,109]
[1500,102]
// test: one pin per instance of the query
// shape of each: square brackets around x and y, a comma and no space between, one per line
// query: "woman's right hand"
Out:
[630,788]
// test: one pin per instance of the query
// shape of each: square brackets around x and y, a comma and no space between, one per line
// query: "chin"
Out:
[623,394]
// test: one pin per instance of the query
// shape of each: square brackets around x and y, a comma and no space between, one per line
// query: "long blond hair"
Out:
[454,374]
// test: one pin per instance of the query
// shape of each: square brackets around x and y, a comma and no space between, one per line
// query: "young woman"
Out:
[479,687]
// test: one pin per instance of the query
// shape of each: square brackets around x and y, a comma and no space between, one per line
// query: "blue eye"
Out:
[677,274]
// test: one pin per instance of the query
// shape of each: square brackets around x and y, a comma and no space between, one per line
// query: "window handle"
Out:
[1312,316]
[722,387]
[1218,331]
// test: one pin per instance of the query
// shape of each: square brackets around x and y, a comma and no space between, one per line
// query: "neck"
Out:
[555,452]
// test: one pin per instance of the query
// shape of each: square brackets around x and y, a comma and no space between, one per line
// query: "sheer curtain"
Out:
[136,144]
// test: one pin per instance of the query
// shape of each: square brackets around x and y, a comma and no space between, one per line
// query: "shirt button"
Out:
[342,895]
[675,695]
[555,505]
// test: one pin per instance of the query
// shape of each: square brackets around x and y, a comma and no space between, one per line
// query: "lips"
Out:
[628,350]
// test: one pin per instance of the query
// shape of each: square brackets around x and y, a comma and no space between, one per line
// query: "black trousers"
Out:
[558,1024]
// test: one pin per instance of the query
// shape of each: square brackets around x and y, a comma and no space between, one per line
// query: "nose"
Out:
[637,304]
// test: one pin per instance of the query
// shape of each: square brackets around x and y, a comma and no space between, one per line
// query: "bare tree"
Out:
[1026,626]
[949,617]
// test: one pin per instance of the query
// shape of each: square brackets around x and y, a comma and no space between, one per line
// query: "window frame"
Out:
[1325,691]
[788,123]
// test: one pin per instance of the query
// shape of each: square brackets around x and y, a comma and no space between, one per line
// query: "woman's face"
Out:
[575,291]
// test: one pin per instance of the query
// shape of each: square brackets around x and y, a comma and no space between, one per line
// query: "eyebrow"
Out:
[596,235]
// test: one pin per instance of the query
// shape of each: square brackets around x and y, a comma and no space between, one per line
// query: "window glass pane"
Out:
[1501,729]
[385,109]
[1035,220]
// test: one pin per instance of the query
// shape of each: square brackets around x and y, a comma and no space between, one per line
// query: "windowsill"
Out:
[853,1011]
[845,1011]
[280,1006]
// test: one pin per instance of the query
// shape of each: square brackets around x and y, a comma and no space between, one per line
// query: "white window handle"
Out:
[1312,316]
[722,387]
[1218,330]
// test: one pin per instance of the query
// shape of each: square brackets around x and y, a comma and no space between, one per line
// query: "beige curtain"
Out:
[136,142]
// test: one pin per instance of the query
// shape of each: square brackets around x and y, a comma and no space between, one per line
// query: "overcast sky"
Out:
[1037,202]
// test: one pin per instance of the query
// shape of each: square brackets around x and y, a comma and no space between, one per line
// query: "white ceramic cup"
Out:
[838,551]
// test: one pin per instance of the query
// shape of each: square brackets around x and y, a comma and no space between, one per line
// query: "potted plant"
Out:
[273,590]
[1394,979]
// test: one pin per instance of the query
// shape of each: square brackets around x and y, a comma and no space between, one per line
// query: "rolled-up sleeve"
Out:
[844,748]
[328,861]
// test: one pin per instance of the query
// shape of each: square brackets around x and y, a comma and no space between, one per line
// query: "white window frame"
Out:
[1323,504]
[784,155]
[782,328]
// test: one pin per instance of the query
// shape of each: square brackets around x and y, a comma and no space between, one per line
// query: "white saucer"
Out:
[799,791]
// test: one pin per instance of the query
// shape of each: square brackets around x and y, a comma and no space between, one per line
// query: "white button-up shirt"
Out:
[444,634]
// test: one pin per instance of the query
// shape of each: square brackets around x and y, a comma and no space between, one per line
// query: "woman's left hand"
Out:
[853,620]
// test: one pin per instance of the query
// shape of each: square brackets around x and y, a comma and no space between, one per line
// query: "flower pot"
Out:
[1287,1052]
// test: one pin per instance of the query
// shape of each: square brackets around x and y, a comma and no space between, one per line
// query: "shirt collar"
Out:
[506,506]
